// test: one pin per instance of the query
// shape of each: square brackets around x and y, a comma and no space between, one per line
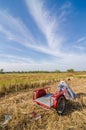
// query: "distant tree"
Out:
[57,71]
[13,71]
[1,71]
[70,70]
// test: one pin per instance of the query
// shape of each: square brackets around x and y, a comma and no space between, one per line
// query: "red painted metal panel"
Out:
[56,96]
[41,92]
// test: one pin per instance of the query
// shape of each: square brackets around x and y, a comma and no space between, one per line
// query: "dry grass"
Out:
[21,107]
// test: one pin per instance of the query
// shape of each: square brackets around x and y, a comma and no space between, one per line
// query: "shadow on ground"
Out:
[76,105]
[81,94]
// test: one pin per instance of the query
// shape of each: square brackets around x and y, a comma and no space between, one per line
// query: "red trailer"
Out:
[48,100]
[58,100]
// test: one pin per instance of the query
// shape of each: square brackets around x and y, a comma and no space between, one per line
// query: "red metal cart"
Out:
[49,100]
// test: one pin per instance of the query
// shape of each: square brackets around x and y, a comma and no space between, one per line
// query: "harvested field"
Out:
[26,116]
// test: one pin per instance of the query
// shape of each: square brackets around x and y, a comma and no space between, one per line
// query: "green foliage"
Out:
[70,70]
[58,71]
[1,71]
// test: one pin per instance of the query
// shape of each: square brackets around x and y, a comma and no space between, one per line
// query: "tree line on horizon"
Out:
[38,71]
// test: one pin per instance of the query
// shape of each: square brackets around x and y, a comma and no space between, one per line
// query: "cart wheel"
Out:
[61,105]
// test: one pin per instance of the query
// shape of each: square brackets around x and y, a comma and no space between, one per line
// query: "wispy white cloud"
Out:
[80,48]
[66,6]
[72,61]
[80,44]
[49,25]
[16,59]
[15,30]
[11,63]
[82,39]
[65,11]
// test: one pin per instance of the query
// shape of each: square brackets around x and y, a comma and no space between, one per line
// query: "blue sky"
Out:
[42,35]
